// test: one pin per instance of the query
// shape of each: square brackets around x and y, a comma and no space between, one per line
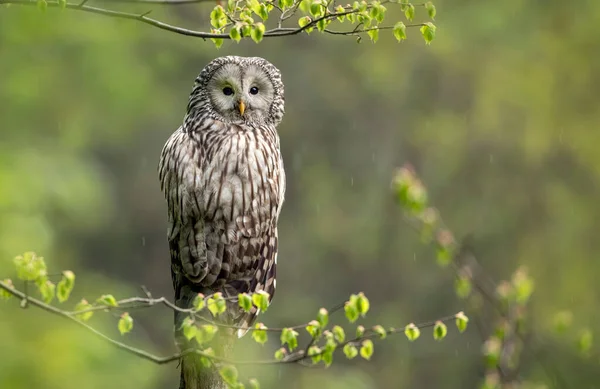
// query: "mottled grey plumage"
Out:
[222,175]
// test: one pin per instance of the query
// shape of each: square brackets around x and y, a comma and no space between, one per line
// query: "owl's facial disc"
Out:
[241,94]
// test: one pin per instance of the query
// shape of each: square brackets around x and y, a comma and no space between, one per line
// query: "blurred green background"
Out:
[499,116]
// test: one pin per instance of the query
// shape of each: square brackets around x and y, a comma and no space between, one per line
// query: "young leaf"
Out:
[261,298]
[289,337]
[245,301]
[323,317]
[303,21]
[65,286]
[313,328]
[360,331]
[362,304]
[125,323]
[351,311]
[229,374]
[81,306]
[218,18]
[439,330]
[259,334]
[205,333]
[562,321]
[461,321]
[29,266]
[380,331]
[315,353]
[199,302]
[409,12]
[340,10]
[462,286]
[430,9]
[47,290]
[42,5]
[108,300]
[338,334]
[235,33]
[216,304]
[253,384]
[373,34]
[400,31]
[428,32]
[189,328]
[257,33]
[350,351]
[412,332]
[280,354]
[3,293]
[366,350]
[584,342]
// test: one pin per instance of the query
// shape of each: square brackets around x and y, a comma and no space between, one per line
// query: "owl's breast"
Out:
[241,185]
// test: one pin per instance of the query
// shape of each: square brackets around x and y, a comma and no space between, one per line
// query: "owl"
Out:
[223,179]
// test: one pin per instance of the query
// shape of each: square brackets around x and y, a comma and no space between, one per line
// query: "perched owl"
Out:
[223,178]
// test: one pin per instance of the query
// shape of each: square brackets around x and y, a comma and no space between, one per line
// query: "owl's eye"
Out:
[227,91]
[254,90]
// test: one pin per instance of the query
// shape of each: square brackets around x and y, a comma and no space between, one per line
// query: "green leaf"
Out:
[439,330]
[289,337]
[305,6]
[229,374]
[65,286]
[366,350]
[245,302]
[315,353]
[199,302]
[400,31]
[351,311]
[42,5]
[373,34]
[260,334]
[235,32]
[205,333]
[216,304]
[263,11]
[189,328]
[313,328]
[340,10]
[523,285]
[585,340]
[428,32]
[339,334]
[125,323]
[253,384]
[3,293]
[218,19]
[461,321]
[362,304]
[207,362]
[360,331]
[29,266]
[412,332]
[462,286]
[350,351]
[562,321]
[108,300]
[430,9]
[81,306]
[409,12]
[323,317]
[303,21]
[316,10]
[261,298]
[280,354]
[380,331]
[491,350]
[288,3]
[47,290]
[322,24]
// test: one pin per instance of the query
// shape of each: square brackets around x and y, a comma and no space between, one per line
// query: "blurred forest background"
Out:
[499,116]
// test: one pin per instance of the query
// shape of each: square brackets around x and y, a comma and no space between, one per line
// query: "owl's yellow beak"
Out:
[242,107]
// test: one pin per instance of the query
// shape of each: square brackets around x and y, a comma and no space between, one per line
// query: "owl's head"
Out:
[239,89]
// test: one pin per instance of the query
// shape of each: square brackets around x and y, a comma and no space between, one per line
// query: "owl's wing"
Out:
[178,169]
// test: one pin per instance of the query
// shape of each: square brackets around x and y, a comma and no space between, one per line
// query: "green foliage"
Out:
[461,322]
[412,332]
[65,286]
[350,350]
[289,337]
[366,349]
[5,295]
[199,302]
[439,330]
[125,324]
[259,334]
[261,300]
[189,328]
[339,334]
[245,302]
[108,300]
[216,304]
[83,305]
[205,333]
